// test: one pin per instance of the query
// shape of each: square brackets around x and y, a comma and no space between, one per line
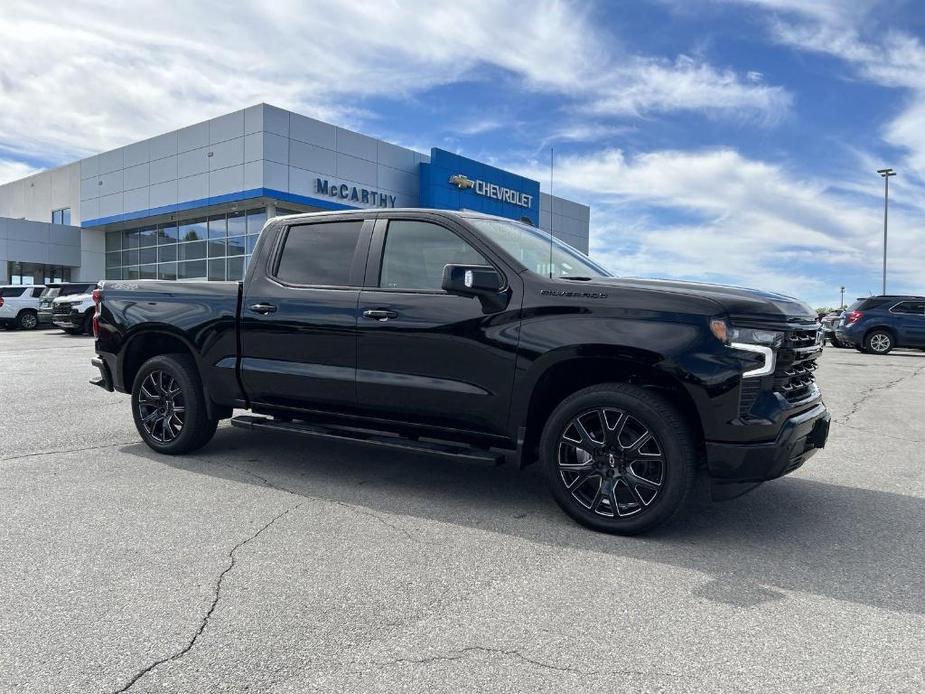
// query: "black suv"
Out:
[476,337]
[877,324]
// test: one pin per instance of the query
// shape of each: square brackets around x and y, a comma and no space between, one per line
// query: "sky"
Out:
[729,141]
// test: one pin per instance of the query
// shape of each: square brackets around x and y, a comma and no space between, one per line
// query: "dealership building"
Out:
[189,204]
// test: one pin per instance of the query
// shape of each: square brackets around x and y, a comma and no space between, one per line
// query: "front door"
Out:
[299,317]
[425,356]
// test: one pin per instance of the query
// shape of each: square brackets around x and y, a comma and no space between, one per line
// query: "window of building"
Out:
[319,254]
[416,252]
[37,273]
[211,247]
[62,216]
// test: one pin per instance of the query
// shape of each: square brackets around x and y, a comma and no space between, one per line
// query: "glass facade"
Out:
[37,273]
[62,216]
[216,247]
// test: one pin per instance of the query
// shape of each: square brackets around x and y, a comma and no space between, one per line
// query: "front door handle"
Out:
[262,309]
[379,314]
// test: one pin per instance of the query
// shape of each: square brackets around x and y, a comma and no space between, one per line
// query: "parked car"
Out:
[828,323]
[73,313]
[877,324]
[446,333]
[53,291]
[19,306]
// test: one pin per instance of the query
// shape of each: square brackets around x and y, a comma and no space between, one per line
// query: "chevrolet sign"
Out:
[492,190]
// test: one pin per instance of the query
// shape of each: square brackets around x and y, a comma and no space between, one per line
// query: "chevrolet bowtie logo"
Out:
[462,182]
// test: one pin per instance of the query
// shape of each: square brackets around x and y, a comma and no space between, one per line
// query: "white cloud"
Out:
[720,216]
[850,32]
[11,170]
[79,77]
[687,84]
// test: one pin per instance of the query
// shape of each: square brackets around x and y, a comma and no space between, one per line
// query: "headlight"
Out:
[755,340]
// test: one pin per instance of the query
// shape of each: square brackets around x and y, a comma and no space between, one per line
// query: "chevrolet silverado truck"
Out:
[475,337]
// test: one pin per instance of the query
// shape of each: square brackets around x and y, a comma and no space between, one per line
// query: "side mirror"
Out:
[480,281]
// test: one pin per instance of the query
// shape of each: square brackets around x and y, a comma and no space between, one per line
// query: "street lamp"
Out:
[841,306]
[885,173]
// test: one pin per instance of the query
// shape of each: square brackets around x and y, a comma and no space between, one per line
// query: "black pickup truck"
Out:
[465,335]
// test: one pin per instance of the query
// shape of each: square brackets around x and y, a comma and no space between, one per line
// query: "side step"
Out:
[369,437]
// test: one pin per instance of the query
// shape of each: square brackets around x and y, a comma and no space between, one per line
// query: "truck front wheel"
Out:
[169,405]
[618,458]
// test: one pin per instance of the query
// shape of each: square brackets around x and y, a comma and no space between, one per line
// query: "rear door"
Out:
[425,356]
[299,316]
[909,319]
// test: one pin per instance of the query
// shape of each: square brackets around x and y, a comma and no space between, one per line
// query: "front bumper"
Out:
[68,321]
[799,438]
[45,315]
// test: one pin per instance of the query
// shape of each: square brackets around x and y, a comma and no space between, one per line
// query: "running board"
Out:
[369,437]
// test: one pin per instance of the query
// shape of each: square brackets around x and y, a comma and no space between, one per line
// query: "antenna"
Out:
[552,159]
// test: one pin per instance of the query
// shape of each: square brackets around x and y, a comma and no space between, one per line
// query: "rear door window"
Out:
[319,254]
[867,304]
[916,308]
[11,292]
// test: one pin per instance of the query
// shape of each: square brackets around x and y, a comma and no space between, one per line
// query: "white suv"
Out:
[19,305]
[74,313]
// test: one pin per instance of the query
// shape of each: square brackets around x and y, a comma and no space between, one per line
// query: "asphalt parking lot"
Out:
[271,564]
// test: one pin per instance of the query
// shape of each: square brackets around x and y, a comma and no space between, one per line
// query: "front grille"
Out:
[61,309]
[748,394]
[796,361]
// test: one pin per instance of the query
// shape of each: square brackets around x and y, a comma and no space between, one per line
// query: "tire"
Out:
[164,384]
[87,327]
[835,342]
[878,342]
[620,486]
[27,320]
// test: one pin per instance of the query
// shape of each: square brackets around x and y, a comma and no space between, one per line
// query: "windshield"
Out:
[531,247]
[50,293]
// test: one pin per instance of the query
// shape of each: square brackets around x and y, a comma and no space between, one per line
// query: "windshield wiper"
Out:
[579,278]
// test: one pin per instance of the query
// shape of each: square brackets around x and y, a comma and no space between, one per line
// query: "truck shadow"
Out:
[794,534]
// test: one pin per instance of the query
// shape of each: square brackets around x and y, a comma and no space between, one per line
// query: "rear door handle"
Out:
[262,309]
[379,314]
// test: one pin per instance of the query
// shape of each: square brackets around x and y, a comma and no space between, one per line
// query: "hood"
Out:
[737,302]
[72,299]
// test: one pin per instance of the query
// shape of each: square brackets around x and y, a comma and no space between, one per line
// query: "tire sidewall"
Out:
[673,436]
[193,401]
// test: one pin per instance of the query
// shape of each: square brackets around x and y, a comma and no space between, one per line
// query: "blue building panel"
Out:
[454,182]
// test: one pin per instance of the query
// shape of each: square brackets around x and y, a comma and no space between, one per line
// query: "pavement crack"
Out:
[216,596]
[67,450]
[357,509]
[376,516]
[464,653]
[872,390]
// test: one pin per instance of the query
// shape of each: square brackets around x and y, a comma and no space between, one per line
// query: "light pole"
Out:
[841,306]
[885,173]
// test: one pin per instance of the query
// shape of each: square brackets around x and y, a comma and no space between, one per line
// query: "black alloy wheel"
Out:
[611,463]
[161,406]
[169,405]
[618,458]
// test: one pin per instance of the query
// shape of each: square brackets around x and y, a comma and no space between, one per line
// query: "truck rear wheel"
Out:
[169,406]
[618,458]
